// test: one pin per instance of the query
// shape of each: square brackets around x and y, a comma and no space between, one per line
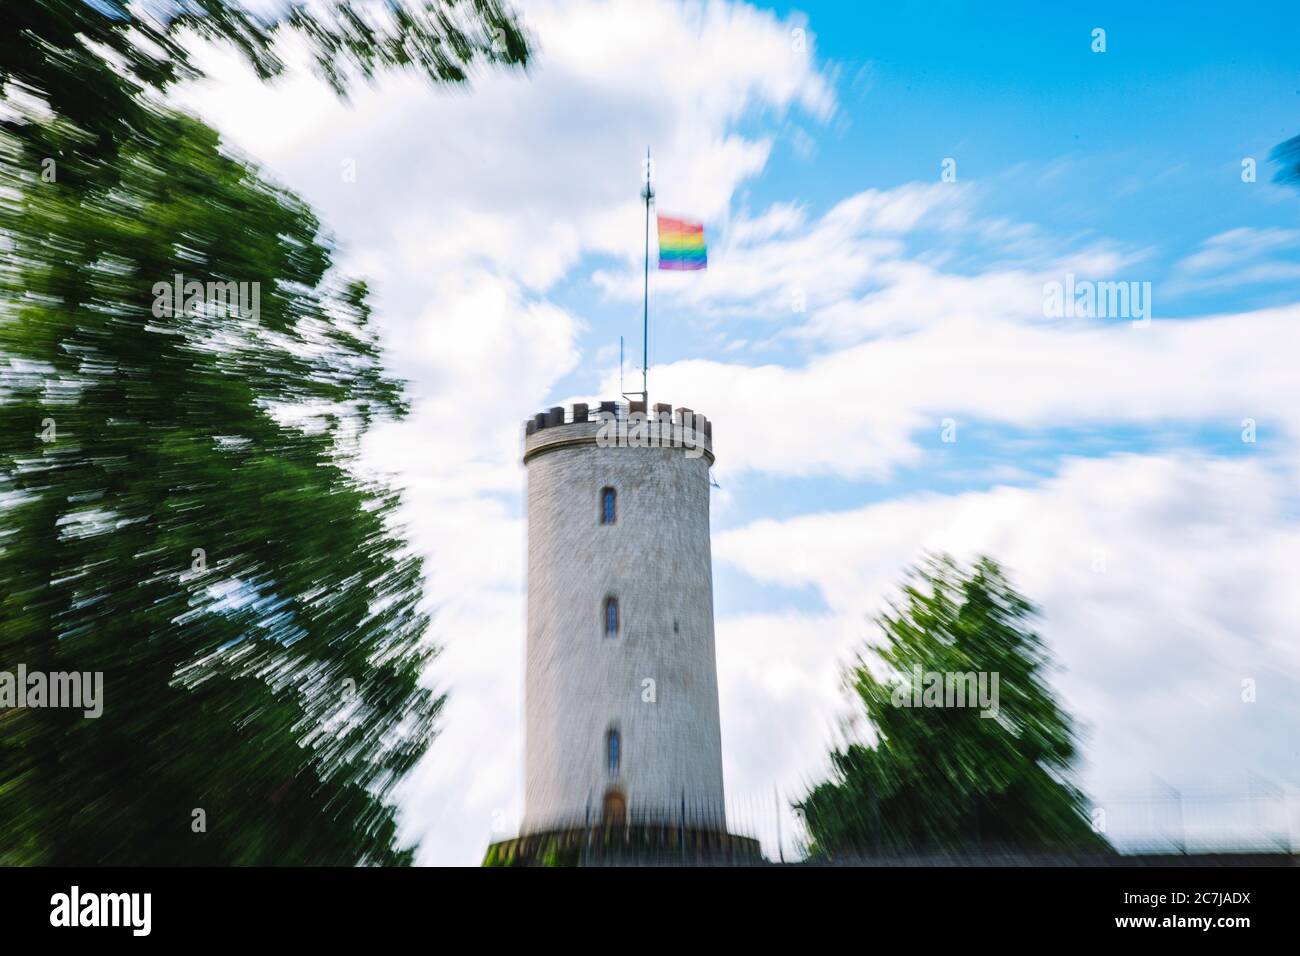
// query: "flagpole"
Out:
[647,194]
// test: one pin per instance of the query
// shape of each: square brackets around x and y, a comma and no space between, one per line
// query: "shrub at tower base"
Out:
[952,775]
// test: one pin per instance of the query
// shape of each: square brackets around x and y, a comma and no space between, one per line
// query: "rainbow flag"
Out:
[681,245]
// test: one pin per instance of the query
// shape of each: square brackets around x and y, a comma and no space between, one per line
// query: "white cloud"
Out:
[860,411]
[1239,257]
[759,264]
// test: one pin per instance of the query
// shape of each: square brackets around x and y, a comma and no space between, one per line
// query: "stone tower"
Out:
[621,681]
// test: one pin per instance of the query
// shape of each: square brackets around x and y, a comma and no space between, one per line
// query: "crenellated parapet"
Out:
[619,424]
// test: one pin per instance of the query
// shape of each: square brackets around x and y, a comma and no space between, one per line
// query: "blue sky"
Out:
[1142,145]
[1103,462]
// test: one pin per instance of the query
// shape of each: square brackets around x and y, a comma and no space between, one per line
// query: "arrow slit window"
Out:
[612,745]
[611,617]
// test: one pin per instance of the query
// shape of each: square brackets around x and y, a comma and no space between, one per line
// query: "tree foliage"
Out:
[181,514]
[90,61]
[945,777]
[180,503]
[1287,157]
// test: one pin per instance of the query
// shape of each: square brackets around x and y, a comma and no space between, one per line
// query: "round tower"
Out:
[621,681]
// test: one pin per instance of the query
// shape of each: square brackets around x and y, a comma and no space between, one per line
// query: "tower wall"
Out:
[580,684]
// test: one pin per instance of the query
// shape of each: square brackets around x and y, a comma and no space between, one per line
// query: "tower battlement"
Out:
[626,424]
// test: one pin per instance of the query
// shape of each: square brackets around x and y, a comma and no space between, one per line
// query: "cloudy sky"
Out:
[860,306]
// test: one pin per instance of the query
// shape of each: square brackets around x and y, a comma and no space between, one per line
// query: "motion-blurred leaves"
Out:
[944,778]
[1287,157]
[182,509]
[226,676]
[89,61]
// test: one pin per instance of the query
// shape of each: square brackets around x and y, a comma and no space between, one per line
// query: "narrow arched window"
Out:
[608,506]
[611,617]
[612,749]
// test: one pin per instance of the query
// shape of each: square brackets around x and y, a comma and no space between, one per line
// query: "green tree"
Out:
[183,512]
[1287,157]
[90,61]
[945,777]
[181,504]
